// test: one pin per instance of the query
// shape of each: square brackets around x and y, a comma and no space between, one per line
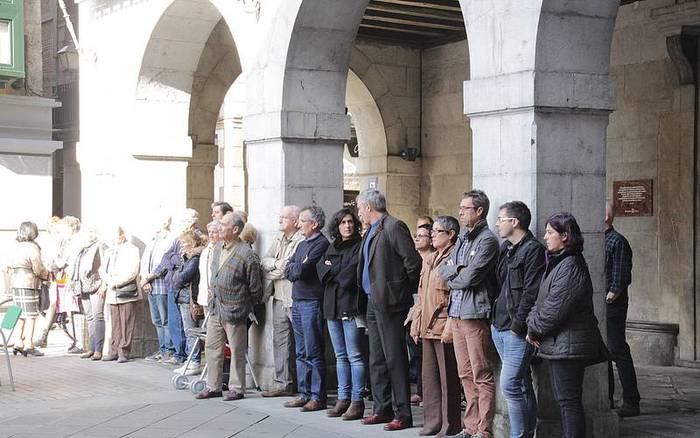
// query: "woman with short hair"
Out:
[342,306]
[562,325]
[27,275]
[441,385]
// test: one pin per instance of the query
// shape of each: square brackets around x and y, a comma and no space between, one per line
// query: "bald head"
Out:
[609,214]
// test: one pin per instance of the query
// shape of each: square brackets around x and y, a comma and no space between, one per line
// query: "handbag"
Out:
[127,291]
[44,300]
[196,310]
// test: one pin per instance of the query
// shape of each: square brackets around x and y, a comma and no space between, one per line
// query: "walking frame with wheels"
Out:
[180,381]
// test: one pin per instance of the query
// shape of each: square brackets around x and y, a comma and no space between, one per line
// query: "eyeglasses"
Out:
[503,219]
[436,231]
[421,236]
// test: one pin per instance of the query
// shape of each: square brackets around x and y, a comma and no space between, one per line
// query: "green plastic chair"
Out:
[8,323]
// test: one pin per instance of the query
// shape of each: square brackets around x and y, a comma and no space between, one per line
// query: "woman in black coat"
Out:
[562,324]
[342,304]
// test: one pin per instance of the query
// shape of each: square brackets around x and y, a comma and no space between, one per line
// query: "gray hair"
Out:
[294,209]
[374,198]
[479,199]
[449,223]
[27,232]
[317,215]
[214,224]
[72,222]
[234,219]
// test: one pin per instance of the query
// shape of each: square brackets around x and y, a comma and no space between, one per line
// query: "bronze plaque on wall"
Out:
[634,198]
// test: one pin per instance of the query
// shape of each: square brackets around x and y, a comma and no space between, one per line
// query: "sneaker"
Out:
[459,435]
[165,357]
[171,361]
[154,357]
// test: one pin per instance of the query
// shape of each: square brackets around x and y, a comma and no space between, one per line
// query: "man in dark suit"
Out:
[388,272]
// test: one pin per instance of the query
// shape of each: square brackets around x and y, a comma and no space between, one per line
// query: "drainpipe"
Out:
[69,24]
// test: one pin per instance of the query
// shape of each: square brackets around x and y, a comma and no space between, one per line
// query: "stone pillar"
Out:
[549,152]
[299,168]
[200,179]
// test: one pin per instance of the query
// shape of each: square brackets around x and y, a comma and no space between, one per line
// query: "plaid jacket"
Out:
[237,286]
[618,261]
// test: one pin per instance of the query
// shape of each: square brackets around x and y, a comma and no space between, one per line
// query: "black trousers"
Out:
[567,380]
[616,318]
[388,363]
[415,361]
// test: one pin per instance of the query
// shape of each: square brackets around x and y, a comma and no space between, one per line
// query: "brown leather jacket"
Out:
[430,310]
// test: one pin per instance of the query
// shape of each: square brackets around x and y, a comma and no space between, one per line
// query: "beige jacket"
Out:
[273,265]
[26,266]
[430,310]
[120,266]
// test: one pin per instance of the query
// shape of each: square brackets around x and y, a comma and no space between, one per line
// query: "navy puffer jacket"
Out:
[563,319]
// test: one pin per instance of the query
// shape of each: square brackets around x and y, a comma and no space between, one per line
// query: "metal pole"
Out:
[69,24]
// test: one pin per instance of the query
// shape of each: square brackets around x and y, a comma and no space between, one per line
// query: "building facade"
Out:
[27,145]
[264,103]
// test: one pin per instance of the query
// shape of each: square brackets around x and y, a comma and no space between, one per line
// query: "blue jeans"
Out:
[516,381]
[177,333]
[307,323]
[350,363]
[188,323]
[159,316]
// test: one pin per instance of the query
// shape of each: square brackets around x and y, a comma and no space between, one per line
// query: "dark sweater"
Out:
[520,269]
[301,269]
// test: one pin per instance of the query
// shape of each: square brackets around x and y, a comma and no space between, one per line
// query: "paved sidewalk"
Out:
[64,396]
[71,397]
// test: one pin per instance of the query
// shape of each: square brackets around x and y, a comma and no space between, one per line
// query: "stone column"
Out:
[302,167]
[547,149]
[200,179]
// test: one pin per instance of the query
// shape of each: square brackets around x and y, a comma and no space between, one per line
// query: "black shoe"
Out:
[627,410]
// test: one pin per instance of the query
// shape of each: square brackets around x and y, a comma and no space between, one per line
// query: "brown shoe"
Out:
[314,405]
[96,356]
[87,355]
[296,403]
[377,419]
[397,424]
[278,392]
[232,396]
[339,409]
[207,393]
[355,412]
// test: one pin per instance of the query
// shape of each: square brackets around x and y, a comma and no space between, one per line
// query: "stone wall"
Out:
[392,74]
[419,96]
[650,136]
[445,133]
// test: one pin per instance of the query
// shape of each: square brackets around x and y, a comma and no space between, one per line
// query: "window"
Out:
[11,39]
[5,43]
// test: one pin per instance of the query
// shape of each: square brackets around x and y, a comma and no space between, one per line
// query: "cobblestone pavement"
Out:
[62,396]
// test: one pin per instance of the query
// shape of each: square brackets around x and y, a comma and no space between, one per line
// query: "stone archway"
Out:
[371,136]
[188,66]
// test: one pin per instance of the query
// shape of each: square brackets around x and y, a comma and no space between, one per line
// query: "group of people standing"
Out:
[452,287]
